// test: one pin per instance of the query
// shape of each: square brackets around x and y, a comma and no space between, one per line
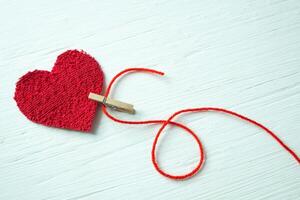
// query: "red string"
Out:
[188,130]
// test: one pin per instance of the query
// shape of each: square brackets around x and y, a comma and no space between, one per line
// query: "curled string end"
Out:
[169,121]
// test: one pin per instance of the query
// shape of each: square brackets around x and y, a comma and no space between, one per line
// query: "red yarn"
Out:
[60,98]
[54,99]
[169,121]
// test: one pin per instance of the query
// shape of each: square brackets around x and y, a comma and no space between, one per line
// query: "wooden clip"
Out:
[114,104]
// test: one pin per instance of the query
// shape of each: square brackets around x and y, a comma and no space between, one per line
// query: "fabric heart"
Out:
[60,98]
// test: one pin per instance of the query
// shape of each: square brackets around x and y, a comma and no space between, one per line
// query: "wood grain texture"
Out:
[241,55]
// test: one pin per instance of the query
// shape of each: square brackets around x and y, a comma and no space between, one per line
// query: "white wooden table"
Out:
[241,55]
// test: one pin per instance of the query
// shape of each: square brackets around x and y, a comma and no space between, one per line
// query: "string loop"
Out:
[169,121]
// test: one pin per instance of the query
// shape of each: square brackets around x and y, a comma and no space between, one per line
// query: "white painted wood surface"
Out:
[241,55]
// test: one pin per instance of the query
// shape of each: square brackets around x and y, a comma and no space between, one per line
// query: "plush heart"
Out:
[60,98]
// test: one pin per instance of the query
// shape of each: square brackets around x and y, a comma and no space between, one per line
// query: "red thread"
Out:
[188,130]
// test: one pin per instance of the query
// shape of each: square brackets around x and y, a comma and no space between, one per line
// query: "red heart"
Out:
[60,98]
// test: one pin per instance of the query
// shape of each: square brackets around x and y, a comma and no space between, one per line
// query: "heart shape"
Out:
[60,98]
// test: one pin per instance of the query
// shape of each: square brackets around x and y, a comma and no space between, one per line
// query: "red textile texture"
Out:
[60,98]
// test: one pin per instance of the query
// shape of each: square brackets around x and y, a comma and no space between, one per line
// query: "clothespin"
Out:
[112,103]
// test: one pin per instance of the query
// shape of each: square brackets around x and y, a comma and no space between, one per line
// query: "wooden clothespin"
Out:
[112,103]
